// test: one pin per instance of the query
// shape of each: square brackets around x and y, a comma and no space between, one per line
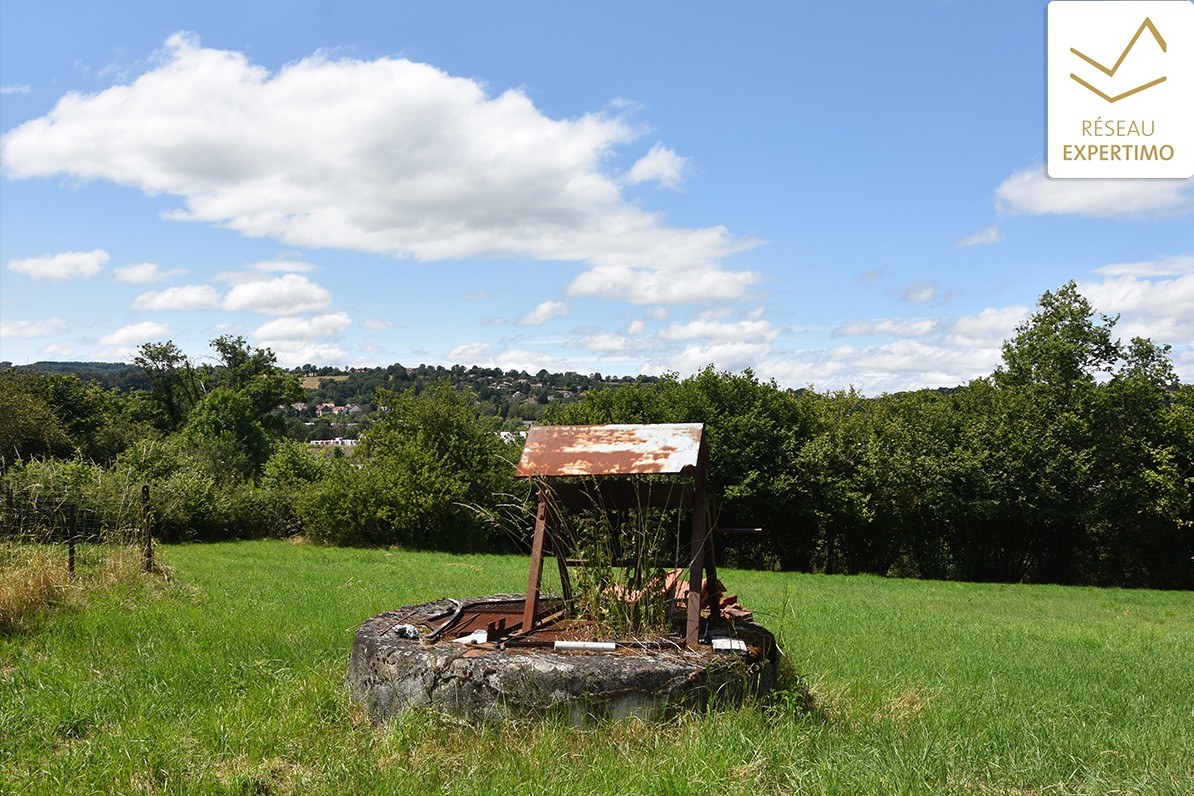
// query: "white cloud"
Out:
[1174,265]
[684,284]
[394,157]
[42,328]
[289,294]
[59,350]
[732,356]
[295,328]
[984,237]
[1160,309]
[144,273]
[136,334]
[469,353]
[295,353]
[661,165]
[180,299]
[892,327]
[919,293]
[606,342]
[283,266]
[1031,192]
[380,325]
[544,313]
[61,267]
[15,88]
[482,355]
[715,332]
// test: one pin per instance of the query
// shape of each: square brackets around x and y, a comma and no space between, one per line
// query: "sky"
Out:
[833,195]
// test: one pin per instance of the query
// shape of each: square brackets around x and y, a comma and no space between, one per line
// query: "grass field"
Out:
[230,680]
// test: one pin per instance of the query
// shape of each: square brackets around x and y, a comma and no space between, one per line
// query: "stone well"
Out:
[399,662]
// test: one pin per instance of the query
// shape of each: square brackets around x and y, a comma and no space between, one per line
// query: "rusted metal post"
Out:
[70,539]
[146,537]
[696,573]
[536,572]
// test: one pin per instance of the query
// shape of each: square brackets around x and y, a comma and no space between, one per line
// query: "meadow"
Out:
[229,678]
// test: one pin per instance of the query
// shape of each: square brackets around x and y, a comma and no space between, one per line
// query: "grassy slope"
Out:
[231,680]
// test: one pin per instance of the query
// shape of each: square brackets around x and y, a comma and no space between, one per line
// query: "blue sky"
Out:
[830,194]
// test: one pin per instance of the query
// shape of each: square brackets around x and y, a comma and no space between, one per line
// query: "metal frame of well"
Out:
[605,452]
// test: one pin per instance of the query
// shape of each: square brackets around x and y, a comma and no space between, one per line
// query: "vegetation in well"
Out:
[230,679]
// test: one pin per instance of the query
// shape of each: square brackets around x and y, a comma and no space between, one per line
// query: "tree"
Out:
[255,374]
[29,426]
[175,384]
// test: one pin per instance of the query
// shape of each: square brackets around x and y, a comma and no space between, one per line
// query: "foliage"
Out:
[1072,463]
[414,477]
[46,414]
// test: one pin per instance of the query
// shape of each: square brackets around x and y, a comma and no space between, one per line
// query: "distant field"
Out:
[230,680]
[313,382]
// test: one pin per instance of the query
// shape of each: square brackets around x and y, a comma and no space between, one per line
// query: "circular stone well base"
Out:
[390,672]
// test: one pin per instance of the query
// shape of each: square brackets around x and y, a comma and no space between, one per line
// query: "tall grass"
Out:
[231,680]
[36,581]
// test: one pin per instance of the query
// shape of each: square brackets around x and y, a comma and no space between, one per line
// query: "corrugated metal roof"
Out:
[611,450]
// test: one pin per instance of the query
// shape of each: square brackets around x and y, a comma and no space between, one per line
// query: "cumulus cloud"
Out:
[1162,309]
[295,353]
[606,342]
[394,157]
[1174,265]
[984,237]
[295,328]
[544,313]
[663,284]
[660,165]
[716,332]
[508,358]
[135,334]
[61,267]
[144,273]
[42,328]
[1031,192]
[182,299]
[289,294]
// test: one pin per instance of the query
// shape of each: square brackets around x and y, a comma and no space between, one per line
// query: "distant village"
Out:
[340,402]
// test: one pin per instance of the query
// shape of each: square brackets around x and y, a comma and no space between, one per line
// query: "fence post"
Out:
[8,511]
[70,539]
[146,537]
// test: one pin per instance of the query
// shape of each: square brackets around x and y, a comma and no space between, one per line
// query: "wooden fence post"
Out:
[146,537]
[70,539]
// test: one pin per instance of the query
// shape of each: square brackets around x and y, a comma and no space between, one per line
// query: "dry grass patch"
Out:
[33,580]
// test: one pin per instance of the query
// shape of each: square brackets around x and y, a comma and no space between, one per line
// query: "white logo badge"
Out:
[1121,88]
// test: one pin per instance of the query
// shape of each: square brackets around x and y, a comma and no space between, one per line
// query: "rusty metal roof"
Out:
[611,450]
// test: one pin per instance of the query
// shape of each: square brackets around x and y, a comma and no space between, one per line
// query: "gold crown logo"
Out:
[1146,25]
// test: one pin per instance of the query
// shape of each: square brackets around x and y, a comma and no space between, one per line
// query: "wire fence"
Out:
[61,518]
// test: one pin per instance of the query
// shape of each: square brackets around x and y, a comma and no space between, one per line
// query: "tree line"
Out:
[1073,462]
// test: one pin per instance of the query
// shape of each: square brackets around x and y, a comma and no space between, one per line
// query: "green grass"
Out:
[231,680]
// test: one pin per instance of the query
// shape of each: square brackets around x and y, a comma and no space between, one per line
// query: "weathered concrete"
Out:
[391,672]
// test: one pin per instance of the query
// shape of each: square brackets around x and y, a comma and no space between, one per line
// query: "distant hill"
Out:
[111,375]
